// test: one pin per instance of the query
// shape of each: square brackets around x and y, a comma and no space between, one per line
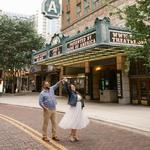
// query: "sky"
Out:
[27,7]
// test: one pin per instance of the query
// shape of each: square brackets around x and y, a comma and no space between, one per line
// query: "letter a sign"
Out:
[51,8]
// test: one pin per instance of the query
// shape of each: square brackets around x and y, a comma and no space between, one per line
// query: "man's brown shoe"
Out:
[55,138]
[45,139]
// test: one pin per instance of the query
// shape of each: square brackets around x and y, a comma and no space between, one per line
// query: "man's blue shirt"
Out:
[47,97]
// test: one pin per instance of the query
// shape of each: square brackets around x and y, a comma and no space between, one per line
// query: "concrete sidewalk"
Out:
[136,117]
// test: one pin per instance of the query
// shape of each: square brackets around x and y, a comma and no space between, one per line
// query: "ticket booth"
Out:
[108,86]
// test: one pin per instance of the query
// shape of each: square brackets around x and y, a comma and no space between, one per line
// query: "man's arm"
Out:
[54,87]
[41,101]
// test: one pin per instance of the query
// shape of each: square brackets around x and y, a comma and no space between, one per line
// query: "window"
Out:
[96,3]
[67,1]
[68,17]
[78,10]
[137,67]
[86,28]
[86,6]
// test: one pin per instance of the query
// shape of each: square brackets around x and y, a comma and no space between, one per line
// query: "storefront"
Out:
[40,73]
[93,60]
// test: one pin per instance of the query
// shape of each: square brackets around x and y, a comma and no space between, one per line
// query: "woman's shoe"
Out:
[76,138]
[55,138]
[72,139]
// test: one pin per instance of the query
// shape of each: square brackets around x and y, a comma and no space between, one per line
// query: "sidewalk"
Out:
[136,117]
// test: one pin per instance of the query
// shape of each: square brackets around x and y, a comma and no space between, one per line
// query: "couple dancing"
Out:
[73,119]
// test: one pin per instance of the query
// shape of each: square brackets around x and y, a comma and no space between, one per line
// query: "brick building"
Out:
[90,53]
[79,15]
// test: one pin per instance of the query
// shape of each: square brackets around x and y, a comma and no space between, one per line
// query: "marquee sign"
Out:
[51,8]
[99,36]
[40,57]
[82,42]
[119,37]
[55,51]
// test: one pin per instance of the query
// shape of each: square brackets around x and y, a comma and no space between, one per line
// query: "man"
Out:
[48,102]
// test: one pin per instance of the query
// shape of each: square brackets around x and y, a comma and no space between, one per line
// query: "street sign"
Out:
[51,8]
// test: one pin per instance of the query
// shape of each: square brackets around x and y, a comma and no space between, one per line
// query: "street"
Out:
[20,129]
[130,116]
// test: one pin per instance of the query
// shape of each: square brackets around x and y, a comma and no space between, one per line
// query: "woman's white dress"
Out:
[74,118]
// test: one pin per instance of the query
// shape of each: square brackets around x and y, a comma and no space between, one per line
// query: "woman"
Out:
[74,118]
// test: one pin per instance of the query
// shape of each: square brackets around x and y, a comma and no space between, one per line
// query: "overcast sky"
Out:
[27,7]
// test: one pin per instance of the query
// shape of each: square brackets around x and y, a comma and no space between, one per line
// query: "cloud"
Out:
[27,7]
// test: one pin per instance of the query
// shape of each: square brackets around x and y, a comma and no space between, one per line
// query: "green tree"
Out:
[17,40]
[137,19]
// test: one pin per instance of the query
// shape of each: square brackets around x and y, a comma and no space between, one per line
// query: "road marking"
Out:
[33,131]
[48,146]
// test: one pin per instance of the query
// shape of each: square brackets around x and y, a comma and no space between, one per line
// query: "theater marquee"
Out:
[55,51]
[82,42]
[120,37]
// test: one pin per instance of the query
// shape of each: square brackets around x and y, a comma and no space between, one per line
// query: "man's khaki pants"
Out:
[49,114]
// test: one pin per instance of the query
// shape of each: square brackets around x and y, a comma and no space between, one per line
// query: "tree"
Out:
[137,18]
[17,40]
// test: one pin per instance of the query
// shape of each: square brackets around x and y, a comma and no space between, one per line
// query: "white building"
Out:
[46,27]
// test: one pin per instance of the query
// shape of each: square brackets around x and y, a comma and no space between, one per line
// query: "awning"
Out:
[83,56]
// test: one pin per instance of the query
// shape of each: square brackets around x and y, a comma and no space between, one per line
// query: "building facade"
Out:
[90,52]
[79,15]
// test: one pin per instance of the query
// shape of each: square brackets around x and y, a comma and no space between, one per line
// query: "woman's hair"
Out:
[69,86]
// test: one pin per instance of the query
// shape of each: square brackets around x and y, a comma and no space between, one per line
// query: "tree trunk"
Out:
[13,84]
